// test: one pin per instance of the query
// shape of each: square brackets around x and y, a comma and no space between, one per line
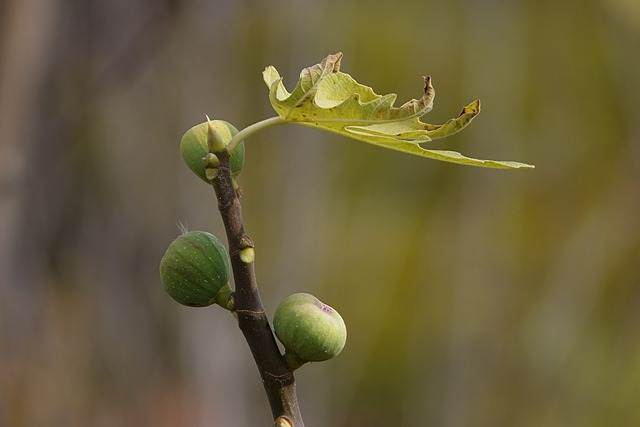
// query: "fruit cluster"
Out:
[195,271]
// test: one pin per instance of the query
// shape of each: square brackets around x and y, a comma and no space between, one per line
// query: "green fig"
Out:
[193,147]
[195,270]
[309,330]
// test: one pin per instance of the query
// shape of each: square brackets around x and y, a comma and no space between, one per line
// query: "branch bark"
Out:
[277,377]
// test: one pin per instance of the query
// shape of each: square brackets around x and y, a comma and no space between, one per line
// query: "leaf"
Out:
[329,99]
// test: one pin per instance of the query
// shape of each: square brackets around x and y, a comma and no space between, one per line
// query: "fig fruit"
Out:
[195,270]
[309,330]
[193,147]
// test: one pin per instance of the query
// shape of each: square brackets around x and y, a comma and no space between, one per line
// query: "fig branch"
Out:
[277,377]
[196,267]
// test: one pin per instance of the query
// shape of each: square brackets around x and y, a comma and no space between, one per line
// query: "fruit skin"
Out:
[309,330]
[195,270]
[193,147]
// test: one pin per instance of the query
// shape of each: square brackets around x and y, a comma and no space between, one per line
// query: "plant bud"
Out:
[193,147]
[309,330]
[195,270]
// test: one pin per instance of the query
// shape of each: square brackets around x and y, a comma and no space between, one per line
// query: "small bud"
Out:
[247,255]
[283,422]
[246,242]
[211,163]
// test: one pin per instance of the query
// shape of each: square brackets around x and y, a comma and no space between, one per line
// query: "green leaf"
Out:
[329,99]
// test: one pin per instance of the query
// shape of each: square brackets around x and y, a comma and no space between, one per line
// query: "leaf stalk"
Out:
[252,129]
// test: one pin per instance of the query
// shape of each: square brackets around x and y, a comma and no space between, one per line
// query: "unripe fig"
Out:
[195,270]
[193,147]
[309,330]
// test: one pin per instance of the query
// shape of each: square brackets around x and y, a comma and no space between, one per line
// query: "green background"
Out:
[472,297]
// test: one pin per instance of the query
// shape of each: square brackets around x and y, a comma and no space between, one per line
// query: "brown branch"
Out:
[277,377]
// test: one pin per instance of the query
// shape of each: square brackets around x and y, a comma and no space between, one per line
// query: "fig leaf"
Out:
[329,99]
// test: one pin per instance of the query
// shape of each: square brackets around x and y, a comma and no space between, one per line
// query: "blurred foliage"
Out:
[472,296]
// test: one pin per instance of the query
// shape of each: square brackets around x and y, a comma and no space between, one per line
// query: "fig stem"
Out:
[277,376]
[293,360]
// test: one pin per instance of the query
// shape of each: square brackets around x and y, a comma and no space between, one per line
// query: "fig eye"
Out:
[326,308]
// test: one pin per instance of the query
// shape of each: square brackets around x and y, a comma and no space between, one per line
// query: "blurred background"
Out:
[473,297]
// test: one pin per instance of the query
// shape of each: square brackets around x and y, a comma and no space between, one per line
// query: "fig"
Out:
[310,330]
[195,270]
[193,147]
